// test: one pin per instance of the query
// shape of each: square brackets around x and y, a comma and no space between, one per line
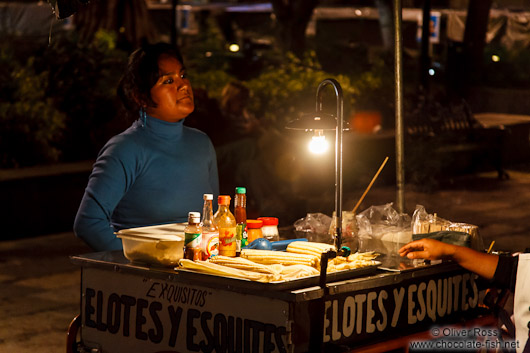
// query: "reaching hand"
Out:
[428,249]
[480,263]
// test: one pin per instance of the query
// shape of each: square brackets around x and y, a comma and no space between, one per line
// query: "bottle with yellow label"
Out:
[226,224]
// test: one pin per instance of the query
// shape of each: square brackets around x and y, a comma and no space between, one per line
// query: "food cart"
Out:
[130,307]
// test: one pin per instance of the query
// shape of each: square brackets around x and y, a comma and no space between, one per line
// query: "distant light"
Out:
[208,54]
[318,144]
[358,12]
[234,48]
[495,58]
[431,72]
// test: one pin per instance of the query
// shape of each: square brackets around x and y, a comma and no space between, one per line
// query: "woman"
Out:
[157,170]
[505,271]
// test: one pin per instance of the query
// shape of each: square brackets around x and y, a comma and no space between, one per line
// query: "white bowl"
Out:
[154,245]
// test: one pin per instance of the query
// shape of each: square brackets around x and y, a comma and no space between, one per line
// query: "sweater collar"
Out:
[161,128]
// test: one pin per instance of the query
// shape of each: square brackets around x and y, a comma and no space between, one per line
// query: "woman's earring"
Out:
[143,117]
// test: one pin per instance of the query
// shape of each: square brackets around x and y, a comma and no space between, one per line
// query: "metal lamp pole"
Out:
[339,132]
[400,145]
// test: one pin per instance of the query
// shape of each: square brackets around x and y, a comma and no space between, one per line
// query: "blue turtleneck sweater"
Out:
[152,173]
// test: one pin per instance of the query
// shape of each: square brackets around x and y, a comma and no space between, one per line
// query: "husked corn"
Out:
[242,264]
[298,271]
[220,270]
[310,248]
[353,261]
[269,266]
[339,260]
[267,257]
[364,256]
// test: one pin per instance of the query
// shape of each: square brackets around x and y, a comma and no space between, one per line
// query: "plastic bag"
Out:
[349,225]
[425,225]
[314,227]
[384,223]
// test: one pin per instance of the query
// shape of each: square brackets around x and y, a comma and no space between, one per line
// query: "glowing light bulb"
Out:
[318,144]
[431,72]
[495,58]
[234,48]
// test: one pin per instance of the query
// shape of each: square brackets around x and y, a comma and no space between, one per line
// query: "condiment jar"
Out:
[270,228]
[254,229]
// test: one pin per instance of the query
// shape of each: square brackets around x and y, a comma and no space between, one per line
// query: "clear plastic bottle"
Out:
[210,233]
[193,237]
[240,211]
[226,224]
[270,228]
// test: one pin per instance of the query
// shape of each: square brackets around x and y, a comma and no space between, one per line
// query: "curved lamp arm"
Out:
[339,131]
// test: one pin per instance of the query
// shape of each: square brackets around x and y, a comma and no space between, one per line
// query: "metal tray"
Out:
[305,282]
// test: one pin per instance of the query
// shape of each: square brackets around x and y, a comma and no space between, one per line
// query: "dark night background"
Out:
[58,105]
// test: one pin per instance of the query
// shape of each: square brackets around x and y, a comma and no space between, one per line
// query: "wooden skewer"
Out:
[370,185]
[491,246]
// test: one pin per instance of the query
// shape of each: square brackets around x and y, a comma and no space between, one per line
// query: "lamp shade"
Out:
[315,121]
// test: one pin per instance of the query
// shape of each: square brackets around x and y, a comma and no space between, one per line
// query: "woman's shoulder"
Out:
[197,134]
[123,142]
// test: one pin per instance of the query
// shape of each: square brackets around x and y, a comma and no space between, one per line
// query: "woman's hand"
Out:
[428,249]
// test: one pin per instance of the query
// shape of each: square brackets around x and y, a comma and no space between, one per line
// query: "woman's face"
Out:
[172,92]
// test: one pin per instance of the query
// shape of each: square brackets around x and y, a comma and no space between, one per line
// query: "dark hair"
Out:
[142,73]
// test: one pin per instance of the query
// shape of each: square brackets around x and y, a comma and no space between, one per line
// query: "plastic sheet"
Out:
[425,225]
[384,223]
[314,227]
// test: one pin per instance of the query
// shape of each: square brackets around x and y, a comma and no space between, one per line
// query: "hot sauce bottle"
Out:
[226,224]
[240,210]
[193,237]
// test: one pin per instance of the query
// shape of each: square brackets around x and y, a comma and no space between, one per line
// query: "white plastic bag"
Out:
[384,223]
[314,227]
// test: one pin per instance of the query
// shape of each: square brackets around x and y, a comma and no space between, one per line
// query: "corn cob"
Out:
[297,271]
[220,270]
[331,267]
[268,257]
[242,264]
[364,256]
[353,261]
[339,260]
[310,248]
[334,266]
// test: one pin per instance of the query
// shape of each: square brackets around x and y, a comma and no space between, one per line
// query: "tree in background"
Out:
[466,62]
[475,39]
[292,18]
[386,23]
[128,18]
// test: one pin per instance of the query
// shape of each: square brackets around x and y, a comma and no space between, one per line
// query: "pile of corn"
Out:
[240,267]
[301,259]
